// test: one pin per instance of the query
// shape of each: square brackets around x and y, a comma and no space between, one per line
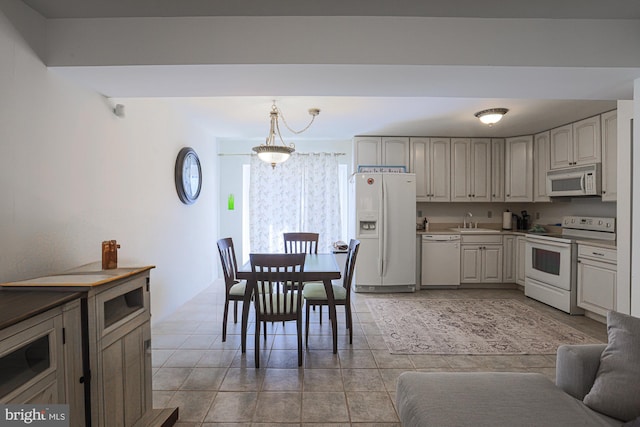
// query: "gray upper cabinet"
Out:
[609,124]
[470,170]
[430,160]
[376,150]
[541,159]
[575,144]
[497,170]
[518,185]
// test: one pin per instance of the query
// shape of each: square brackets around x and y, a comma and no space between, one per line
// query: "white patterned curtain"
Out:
[301,194]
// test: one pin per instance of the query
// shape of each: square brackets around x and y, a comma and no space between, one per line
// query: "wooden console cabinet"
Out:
[116,348]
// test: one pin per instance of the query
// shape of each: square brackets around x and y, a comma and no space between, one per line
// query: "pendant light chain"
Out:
[313,112]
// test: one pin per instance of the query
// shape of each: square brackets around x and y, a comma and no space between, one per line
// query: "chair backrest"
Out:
[301,243]
[350,264]
[277,282]
[228,261]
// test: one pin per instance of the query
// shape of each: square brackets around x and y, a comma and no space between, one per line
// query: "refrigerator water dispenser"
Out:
[368,228]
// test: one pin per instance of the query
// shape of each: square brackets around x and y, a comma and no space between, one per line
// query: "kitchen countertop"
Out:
[447,231]
[607,244]
[19,305]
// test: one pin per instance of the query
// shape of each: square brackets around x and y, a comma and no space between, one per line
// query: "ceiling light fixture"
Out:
[491,116]
[269,152]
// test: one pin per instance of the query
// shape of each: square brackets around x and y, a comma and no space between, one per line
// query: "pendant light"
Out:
[270,152]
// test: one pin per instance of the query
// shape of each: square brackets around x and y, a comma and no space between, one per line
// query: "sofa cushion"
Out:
[616,390]
[490,399]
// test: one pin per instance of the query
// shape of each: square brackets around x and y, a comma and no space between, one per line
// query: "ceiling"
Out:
[352,103]
[581,9]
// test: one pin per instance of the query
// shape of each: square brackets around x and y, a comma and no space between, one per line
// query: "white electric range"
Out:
[551,260]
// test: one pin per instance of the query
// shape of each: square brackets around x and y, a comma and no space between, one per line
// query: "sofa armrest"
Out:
[576,368]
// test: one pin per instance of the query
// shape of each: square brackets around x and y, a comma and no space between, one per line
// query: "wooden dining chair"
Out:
[305,243]
[276,284]
[234,289]
[315,294]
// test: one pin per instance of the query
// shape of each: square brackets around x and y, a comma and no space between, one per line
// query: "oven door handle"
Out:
[540,242]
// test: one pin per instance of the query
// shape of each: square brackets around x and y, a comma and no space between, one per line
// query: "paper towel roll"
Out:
[506,220]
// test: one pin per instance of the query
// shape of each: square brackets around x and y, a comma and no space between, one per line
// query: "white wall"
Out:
[635,207]
[72,174]
[624,219]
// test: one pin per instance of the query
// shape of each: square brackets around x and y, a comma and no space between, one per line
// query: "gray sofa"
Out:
[505,398]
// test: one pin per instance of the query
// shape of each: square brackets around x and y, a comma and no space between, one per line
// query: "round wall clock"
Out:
[188,175]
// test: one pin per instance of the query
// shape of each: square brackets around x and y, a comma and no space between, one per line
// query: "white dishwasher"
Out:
[440,260]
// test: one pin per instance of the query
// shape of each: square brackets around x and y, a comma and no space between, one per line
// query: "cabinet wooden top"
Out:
[86,276]
[19,305]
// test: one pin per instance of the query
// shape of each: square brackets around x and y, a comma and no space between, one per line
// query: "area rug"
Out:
[469,326]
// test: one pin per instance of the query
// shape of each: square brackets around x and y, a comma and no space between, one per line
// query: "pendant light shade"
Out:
[491,116]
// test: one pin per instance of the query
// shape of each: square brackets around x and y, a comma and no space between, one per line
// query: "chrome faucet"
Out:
[464,220]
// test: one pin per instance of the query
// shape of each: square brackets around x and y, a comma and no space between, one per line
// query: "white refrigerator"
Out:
[385,225]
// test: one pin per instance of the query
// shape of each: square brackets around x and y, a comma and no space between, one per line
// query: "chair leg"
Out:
[235,311]
[347,309]
[320,311]
[257,343]
[224,320]
[264,328]
[299,327]
[306,334]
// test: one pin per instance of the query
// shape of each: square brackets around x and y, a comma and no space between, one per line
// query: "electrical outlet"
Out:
[489,214]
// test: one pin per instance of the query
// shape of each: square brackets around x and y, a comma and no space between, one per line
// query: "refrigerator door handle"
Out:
[384,245]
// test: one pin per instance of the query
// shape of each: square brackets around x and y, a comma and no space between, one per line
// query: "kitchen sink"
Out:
[474,230]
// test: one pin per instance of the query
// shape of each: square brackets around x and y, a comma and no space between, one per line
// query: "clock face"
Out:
[188,175]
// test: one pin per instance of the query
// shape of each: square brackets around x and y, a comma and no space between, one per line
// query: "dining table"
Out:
[320,267]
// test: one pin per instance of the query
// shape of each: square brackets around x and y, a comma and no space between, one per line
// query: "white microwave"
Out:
[575,181]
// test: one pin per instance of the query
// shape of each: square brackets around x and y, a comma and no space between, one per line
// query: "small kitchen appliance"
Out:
[575,181]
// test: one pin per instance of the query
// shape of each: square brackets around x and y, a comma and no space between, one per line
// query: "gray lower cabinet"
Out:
[481,259]
[521,243]
[509,262]
[120,354]
[41,361]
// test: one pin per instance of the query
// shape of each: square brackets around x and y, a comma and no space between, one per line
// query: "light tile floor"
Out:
[214,384]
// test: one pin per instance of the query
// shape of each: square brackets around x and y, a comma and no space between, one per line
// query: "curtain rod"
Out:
[297,154]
